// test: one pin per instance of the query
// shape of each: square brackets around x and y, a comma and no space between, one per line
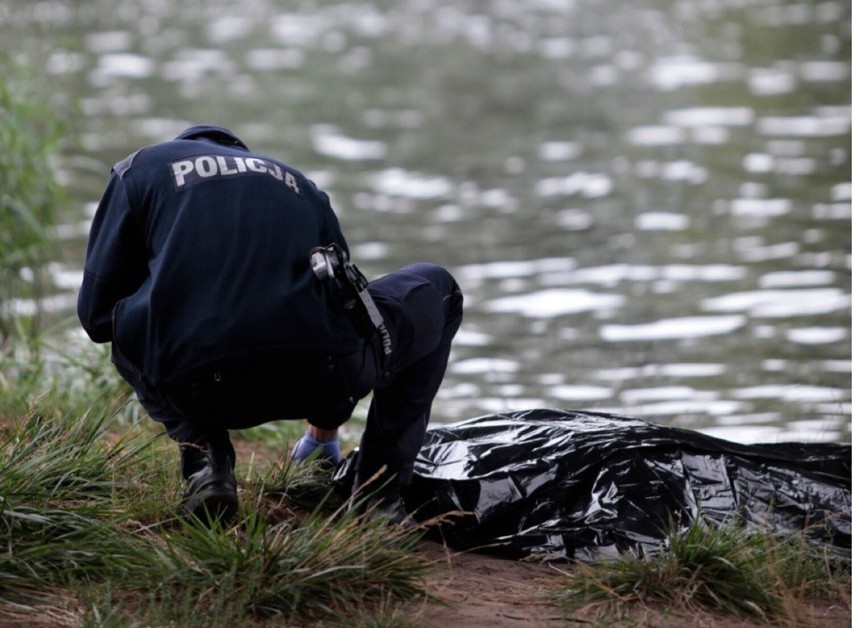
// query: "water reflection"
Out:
[649,209]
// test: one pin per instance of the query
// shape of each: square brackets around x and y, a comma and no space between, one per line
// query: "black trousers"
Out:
[422,308]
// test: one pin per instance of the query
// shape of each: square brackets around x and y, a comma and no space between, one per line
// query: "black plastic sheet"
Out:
[582,485]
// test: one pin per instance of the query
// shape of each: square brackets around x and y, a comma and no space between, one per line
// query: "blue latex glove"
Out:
[307,445]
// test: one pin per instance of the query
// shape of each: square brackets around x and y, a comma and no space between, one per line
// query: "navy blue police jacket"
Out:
[198,259]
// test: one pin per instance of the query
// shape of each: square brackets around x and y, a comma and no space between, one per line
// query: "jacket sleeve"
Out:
[116,262]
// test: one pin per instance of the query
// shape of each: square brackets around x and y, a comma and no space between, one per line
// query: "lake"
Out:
[647,204]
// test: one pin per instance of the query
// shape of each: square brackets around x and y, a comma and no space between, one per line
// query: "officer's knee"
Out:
[444,282]
[437,275]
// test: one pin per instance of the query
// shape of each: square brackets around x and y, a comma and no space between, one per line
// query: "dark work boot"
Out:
[211,488]
[381,500]
[390,510]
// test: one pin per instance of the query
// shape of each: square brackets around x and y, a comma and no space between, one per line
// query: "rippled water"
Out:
[648,204]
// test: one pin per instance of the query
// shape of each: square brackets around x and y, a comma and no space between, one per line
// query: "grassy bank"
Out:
[90,535]
[88,501]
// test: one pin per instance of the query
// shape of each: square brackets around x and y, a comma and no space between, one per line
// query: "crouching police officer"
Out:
[221,277]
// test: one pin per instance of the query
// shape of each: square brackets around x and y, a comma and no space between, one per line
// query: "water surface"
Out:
[647,204]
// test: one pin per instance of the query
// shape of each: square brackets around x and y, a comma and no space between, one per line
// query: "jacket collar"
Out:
[213,133]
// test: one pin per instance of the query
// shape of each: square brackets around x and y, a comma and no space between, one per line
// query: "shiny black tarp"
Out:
[563,484]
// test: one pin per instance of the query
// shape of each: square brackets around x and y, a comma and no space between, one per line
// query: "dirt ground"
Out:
[477,590]
[480,590]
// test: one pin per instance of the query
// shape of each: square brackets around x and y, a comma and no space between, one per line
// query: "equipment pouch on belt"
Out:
[331,266]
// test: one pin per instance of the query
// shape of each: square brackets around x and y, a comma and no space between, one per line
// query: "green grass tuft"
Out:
[730,570]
